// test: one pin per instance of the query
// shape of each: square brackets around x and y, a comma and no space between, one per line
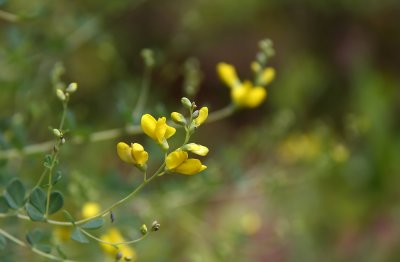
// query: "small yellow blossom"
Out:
[196,149]
[203,114]
[266,76]
[114,236]
[228,75]
[90,209]
[178,118]
[134,154]
[158,130]
[247,95]
[179,162]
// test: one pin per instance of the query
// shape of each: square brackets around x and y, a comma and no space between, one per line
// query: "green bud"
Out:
[195,114]
[57,132]
[72,88]
[60,94]
[186,103]
[143,229]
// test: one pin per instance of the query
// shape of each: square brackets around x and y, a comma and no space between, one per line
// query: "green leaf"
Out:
[44,247]
[3,205]
[68,216]
[3,242]
[56,202]
[38,199]
[78,236]
[56,177]
[33,237]
[47,161]
[34,213]
[93,224]
[61,253]
[15,194]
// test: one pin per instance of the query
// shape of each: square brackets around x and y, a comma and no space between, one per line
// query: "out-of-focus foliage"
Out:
[312,175]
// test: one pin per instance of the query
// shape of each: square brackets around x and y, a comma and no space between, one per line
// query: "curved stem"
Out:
[35,250]
[117,243]
[144,92]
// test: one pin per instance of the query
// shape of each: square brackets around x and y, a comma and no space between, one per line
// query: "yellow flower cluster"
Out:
[177,161]
[245,94]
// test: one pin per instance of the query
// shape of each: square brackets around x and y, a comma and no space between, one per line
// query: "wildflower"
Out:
[134,154]
[179,162]
[247,95]
[196,149]
[203,114]
[90,209]
[158,130]
[114,236]
[228,75]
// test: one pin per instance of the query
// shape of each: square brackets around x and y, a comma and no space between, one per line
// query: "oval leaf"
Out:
[38,199]
[78,236]
[15,194]
[34,236]
[34,213]
[93,224]
[56,202]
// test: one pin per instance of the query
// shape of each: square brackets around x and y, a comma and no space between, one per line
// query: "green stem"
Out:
[144,92]
[54,157]
[117,243]
[35,250]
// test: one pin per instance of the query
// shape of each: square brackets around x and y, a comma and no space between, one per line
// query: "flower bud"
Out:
[143,229]
[72,88]
[57,132]
[195,114]
[186,103]
[178,118]
[118,256]
[148,57]
[60,94]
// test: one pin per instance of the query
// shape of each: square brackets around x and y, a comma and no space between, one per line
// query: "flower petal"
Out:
[161,128]
[148,123]
[203,114]
[190,167]
[124,152]
[196,149]
[228,75]
[255,97]
[139,154]
[175,159]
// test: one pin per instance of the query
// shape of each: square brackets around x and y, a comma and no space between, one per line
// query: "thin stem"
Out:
[117,243]
[221,114]
[54,157]
[35,250]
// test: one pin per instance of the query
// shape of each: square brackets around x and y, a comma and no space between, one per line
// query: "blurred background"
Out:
[311,175]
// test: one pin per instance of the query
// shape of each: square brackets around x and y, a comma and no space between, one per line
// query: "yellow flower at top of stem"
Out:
[133,154]
[178,162]
[113,235]
[158,130]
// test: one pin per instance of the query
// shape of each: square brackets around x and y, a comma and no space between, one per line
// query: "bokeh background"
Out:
[312,175]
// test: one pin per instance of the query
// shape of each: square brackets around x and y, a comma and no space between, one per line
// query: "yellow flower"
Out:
[134,154]
[158,130]
[196,149]
[90,209]
[114,236]
[203,114]
[248,96]
[266,76]
[178,118]
[228,75]
[179,162]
